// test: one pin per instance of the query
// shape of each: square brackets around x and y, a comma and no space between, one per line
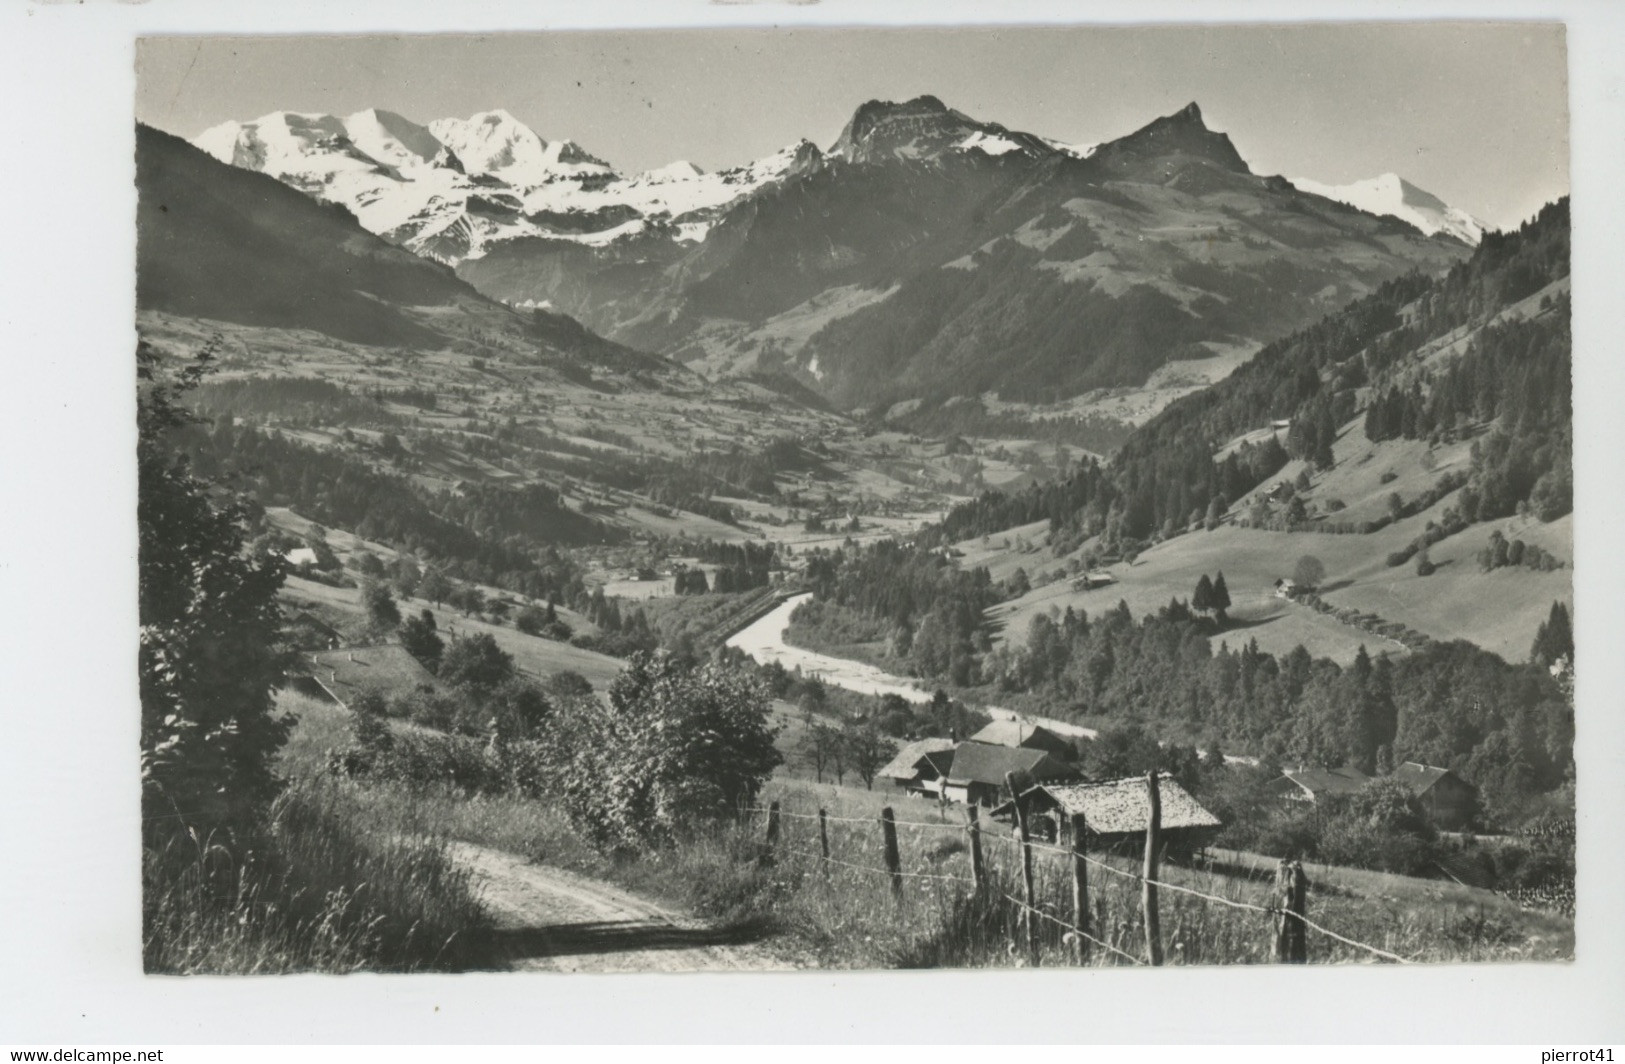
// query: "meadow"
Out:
[371,859]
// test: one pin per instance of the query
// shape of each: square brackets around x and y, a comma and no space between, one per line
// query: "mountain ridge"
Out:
[995,259]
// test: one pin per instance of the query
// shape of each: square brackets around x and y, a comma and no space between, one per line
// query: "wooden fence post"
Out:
[1027,888]
[1291,935]
[772,825]
[894,863]
[1153,839]
[823,838]
[978,870]
[1080,886]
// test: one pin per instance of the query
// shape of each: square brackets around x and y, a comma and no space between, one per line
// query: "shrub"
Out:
[673,749]
[426,759]
[476,663]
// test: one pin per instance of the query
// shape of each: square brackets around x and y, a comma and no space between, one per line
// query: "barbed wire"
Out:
[1017,843]
[1231,902]
[886,872]
[1074,929]
[870,820]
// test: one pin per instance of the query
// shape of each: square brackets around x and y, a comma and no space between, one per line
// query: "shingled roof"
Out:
[906,765]
[1318,781]
[981,763]
[1121,807]
[1420,778]
[1020,733]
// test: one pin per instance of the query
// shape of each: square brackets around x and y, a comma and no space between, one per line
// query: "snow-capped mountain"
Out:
[454,188]
[497,144]
[925,128]
[1392,195]
[926,253]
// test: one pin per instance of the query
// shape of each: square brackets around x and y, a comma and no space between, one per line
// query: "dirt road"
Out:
[554,921]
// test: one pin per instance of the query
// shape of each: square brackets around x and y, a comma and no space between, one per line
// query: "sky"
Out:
[1476,113]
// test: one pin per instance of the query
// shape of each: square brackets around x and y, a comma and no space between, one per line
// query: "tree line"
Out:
[1508,728]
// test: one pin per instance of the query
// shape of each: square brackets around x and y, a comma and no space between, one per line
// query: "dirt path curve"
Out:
[555,921]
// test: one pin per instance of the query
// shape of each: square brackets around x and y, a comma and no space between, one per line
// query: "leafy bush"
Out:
[673,749]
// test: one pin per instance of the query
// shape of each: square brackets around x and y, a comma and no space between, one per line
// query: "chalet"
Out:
[920,767]
[301,556]
[386,670]
[1114,812]
[1450,801]
[1285,588]
[1313,785]
[1020,734]
[1090,581]
[307,631]
[977,775]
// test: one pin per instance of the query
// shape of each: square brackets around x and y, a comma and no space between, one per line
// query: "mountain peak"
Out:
[924,129]
[1392,195]
[1183,132]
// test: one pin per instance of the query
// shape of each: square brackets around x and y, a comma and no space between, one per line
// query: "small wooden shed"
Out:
[1114,812]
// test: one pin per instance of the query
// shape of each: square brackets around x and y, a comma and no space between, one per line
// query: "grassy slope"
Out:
[1450,604]
[1447,605]
[848,919]
[539,657]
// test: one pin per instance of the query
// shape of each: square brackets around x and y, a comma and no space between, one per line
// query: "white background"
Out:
[70,969]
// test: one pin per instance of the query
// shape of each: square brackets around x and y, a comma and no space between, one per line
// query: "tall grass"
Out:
[355,875]
[838,915]
[320,888]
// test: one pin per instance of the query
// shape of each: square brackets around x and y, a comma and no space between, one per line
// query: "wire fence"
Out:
[1288,917]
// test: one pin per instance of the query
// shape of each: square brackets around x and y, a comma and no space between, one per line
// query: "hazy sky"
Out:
[1476,113]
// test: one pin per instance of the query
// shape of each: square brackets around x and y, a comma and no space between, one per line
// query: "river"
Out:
[764,641]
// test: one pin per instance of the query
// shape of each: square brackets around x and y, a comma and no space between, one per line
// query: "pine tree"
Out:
[1221,597]
[1554,640]
[1202,599]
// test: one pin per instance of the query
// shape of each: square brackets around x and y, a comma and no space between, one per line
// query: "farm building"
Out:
[386,670]
[1450,801]
[921,766]
[1015,733]
[1114,811]
[307,631]
[301,556]
[978,770]
[1285,588]
[1315,784]
[1090,581]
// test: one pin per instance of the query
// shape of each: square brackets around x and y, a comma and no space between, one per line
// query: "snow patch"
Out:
[988,143]
[1390,194]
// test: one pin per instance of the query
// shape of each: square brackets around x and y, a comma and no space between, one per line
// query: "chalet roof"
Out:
[1420,778]
[307,619]
[386,669]
[1015,733]
[982,763]
[1119,807]
[1319,781]
[906,765]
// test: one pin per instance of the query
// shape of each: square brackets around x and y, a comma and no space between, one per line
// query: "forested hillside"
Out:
[1164,477]
[1468,356]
